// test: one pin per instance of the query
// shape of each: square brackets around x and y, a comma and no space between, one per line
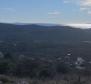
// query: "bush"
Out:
[62,68]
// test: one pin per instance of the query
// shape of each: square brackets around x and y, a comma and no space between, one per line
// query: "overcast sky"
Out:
[45,11]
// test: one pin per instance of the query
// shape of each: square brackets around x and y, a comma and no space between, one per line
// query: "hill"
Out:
[44,47]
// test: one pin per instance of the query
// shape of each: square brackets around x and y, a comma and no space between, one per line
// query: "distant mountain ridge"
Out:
[43,33]
[83,26]
[41,24]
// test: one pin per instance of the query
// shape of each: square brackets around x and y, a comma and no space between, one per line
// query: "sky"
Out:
[45,11]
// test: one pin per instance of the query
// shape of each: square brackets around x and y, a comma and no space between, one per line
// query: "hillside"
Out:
[35,32]
[31,47]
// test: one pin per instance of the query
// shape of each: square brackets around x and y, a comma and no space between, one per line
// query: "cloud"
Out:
[89,12]
[8,9]
[80,25]
[85,2]
[84,5]
[54,13]
[66,1]
[80,2]
[83,8]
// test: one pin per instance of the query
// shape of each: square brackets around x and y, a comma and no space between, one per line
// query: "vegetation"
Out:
[33,54]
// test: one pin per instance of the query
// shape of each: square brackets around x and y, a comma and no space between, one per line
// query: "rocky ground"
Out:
[65,79]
